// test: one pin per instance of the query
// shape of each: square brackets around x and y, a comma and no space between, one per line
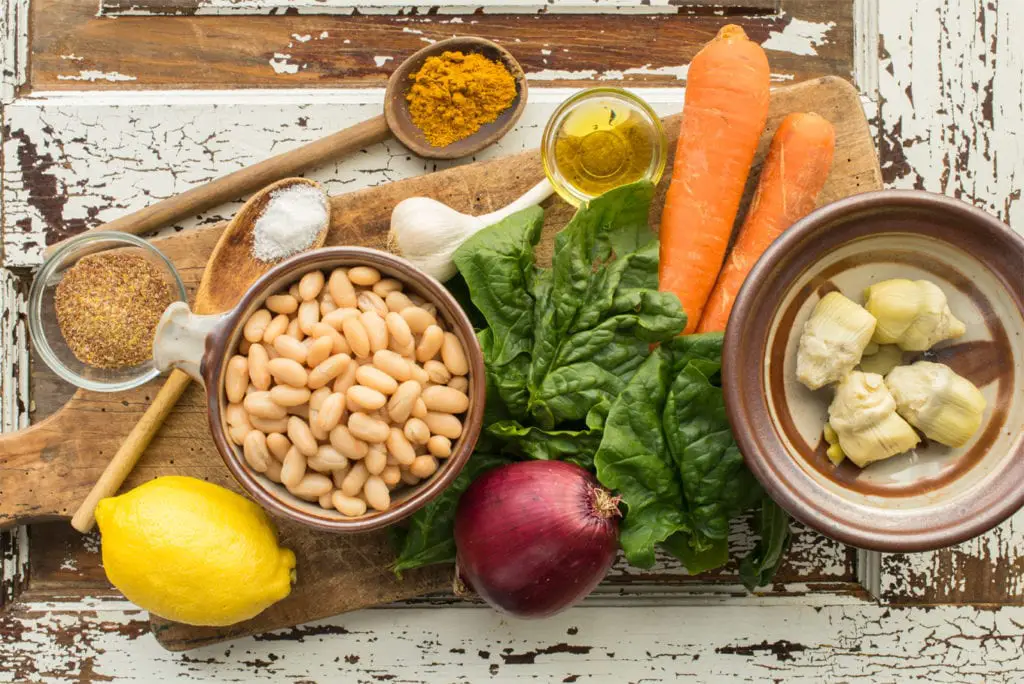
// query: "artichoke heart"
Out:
[863,418]
[883,359]
[944,406]
[833,341]
[913,314]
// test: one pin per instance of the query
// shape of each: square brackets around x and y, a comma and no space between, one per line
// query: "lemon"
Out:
[193,552]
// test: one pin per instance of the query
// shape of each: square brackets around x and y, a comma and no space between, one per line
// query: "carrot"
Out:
[724,115]
[793,174]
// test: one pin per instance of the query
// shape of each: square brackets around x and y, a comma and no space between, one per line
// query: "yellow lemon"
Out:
[193,552]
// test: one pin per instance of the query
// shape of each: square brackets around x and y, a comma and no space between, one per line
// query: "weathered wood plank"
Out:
[414,7]
[74,49]
[805,640]
[14,410]
[952,121]
[13,48]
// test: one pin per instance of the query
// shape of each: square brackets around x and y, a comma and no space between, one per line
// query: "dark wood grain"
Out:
[236,52]
[80,438]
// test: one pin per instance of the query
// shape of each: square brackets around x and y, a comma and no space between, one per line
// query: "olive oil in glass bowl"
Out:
[599,139]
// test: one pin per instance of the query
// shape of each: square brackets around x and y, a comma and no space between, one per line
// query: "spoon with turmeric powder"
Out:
[455,97]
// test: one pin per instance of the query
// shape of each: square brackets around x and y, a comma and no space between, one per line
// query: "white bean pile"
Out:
[344,389]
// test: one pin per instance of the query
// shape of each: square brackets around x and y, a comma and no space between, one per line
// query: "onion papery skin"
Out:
[535,537]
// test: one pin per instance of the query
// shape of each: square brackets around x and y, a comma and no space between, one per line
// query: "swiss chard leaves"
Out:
[758,568]
[575,446]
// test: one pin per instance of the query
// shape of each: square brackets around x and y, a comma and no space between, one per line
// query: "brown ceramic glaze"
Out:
[396,109]
[933,496]
[222,342]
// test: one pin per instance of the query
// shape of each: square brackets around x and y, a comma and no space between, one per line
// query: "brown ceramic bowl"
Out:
[396,108]
[933,496]
[217,338]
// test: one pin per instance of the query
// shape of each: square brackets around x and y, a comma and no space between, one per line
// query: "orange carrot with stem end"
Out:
[792,177]
[724,115]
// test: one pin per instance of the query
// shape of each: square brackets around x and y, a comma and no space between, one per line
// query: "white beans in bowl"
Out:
[348,391]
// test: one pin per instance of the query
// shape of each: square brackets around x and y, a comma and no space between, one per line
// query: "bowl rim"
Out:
[547,141]
[38,335]
[217,355]
[763,450]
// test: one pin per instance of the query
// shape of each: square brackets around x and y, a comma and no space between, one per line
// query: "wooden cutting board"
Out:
[46,470]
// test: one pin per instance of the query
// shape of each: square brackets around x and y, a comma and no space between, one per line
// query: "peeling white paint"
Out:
[323,34]
[72,57]
[799,37]
[302,39]
[93,75]
[281,64]
[381,60]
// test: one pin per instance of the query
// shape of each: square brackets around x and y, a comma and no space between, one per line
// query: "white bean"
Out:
[259,369]
[254,448]
[391,475]
[278,445]
[400,447]
[366,428]
[282,304]
[430,343]
[445,399]
[268,425]
[416,431]
[276,327]
[293,468]
[338,316]
[439,446]
[364,276]
[453,355]
[392,364]
[326,501]
[348,444]
[351,506]
[346,379]
[261,405]
[373,377]
[310,285]
[423,466]
[288,372]
[236,378]
[443,424]
[330,412]
[354,481]
[418,374]
[319,350]
[257,323]
[294,331]
[340,287]
[437,372]
[417,319]
[301,436]
[376,330]
[273,472]
[327,370]
[322,329]
[317,398]
[288,396]
[312,486]
[365,398]
[460,383]
[308,316]
[419,409]
[290,348]
[385,286]
[397,301]
[376,493]
[376,459]
[326,459]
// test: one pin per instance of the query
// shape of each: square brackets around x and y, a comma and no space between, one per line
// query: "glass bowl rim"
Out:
[38,336]
[558,117]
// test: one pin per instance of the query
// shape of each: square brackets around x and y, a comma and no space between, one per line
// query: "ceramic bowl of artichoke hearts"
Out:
[874,371]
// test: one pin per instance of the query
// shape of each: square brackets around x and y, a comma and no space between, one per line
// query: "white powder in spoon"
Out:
[290,222]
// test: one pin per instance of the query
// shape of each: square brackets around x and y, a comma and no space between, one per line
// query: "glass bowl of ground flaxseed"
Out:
[94,306]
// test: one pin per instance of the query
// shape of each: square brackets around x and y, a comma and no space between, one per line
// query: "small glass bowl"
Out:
[620,104]
[42,314]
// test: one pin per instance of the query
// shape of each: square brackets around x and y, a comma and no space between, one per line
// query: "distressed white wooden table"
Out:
[105,109]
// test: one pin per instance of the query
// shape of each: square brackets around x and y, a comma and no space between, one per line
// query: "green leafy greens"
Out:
[571,375]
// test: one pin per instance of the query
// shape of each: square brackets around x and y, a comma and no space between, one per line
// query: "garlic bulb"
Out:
[943,405]
[833,340]
[864,420]
[426,232]
[913,314]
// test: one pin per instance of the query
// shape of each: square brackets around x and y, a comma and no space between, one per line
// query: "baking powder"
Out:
[290,222]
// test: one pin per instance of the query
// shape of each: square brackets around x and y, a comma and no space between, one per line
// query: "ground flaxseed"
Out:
[108,306]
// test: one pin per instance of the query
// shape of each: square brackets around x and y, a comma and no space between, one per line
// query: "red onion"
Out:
[535,537]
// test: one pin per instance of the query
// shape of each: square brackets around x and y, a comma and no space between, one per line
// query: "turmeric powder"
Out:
[453,95]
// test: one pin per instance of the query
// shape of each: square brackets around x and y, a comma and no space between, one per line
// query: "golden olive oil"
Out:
[603,144]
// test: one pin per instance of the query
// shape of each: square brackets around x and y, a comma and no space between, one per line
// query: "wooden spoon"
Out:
[394,121]
[229,272]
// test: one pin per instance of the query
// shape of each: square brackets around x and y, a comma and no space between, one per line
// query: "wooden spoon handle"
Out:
[128,455]
[251,178]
